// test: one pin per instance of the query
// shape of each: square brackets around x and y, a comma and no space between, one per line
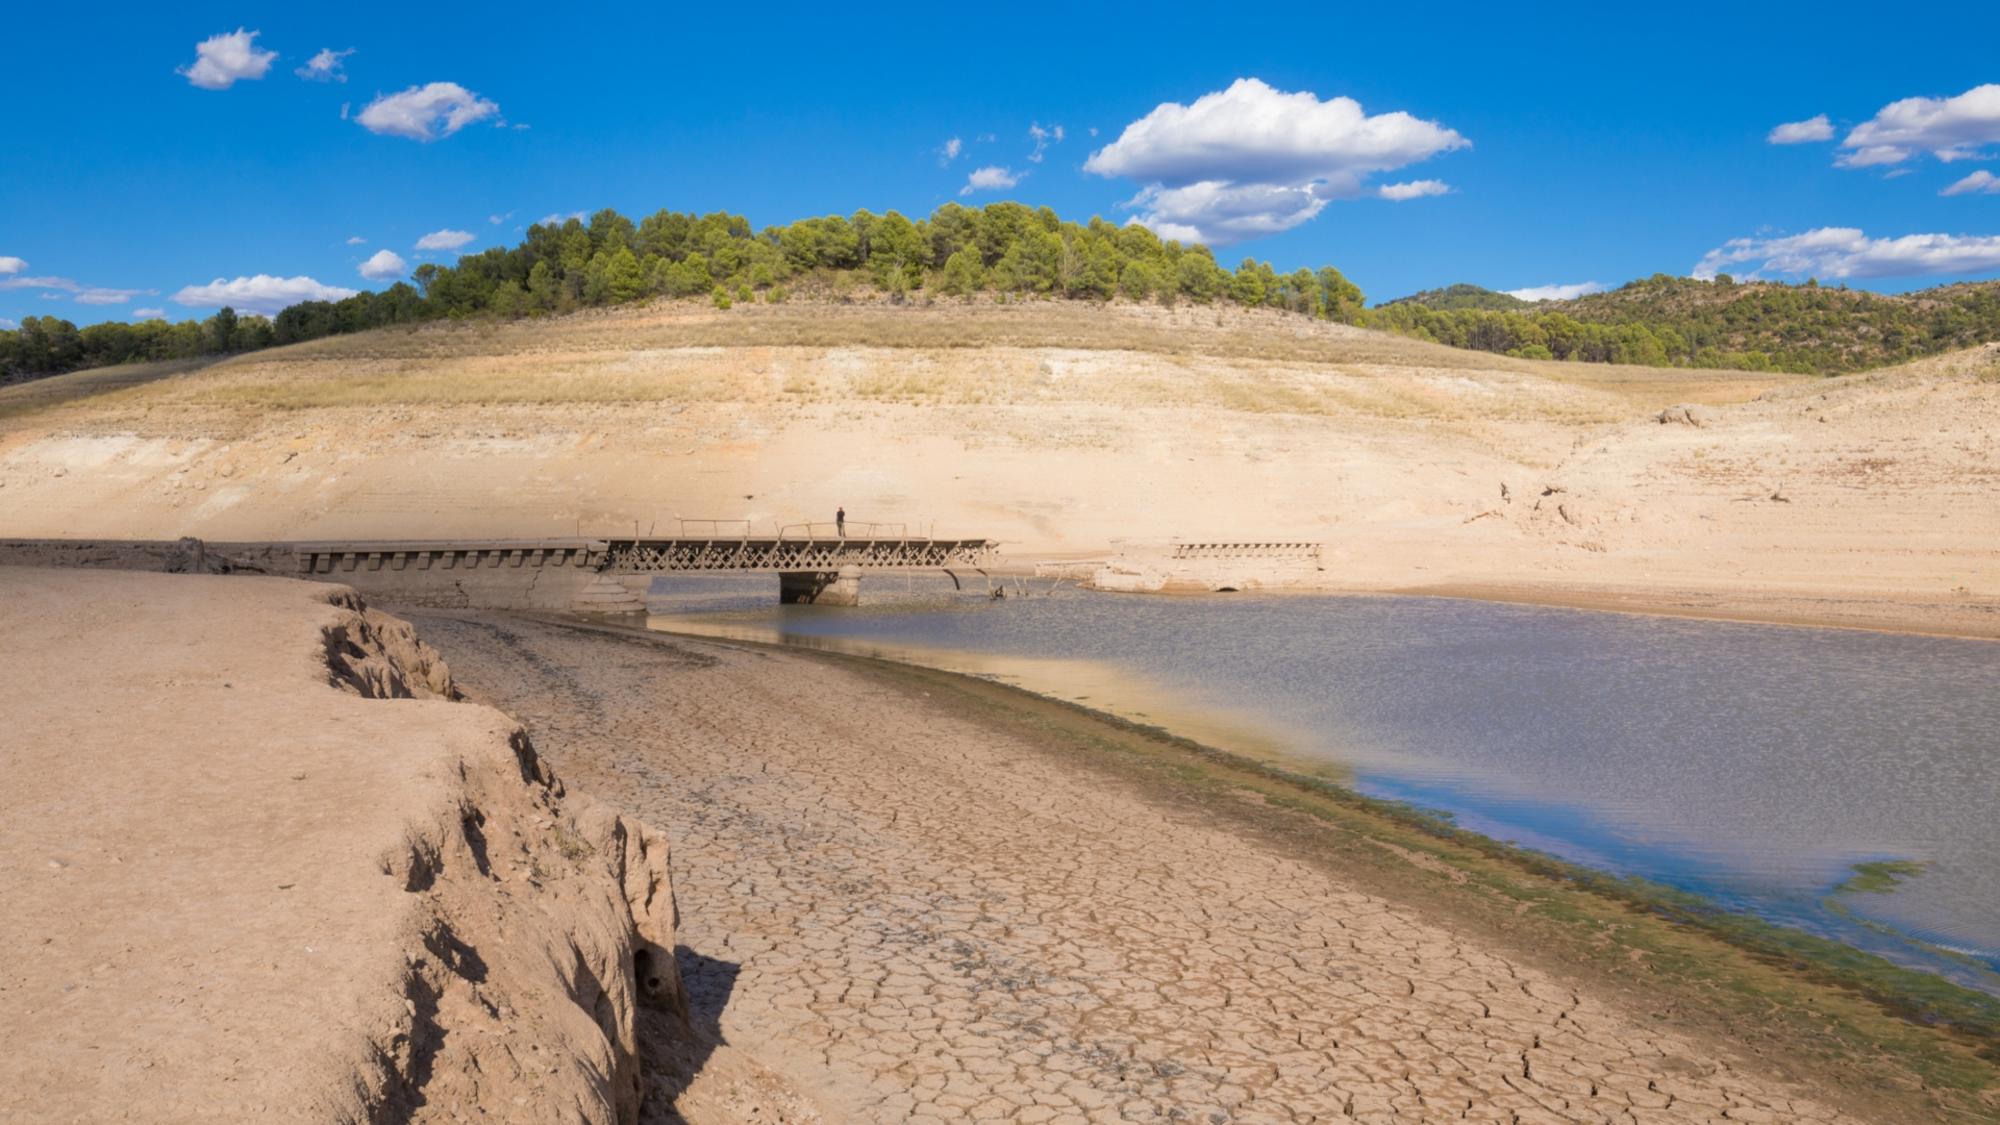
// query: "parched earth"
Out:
[905,914]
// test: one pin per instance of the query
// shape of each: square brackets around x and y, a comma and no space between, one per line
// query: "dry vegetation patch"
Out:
[971,353]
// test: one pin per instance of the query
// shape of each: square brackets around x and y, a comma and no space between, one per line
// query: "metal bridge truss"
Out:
[651,556]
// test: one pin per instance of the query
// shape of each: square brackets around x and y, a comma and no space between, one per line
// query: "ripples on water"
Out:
[1753,764]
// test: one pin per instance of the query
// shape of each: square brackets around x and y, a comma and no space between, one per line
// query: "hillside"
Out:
[1811,328]
[1452,298]
[1005,251]
[1056,427]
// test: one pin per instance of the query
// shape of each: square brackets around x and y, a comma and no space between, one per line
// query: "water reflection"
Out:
[1754,764]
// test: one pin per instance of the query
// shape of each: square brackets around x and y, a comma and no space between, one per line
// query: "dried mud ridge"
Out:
[609,954]
[909,916]
[265,865]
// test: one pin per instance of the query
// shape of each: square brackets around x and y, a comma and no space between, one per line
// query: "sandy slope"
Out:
[1059,429]
[246,878]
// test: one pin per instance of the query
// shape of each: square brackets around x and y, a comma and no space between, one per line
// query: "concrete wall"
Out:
[821,587]
[509,585]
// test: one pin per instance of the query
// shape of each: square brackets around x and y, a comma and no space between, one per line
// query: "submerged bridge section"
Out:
[606,575]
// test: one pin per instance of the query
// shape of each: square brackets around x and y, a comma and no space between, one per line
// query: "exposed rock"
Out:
[190,556]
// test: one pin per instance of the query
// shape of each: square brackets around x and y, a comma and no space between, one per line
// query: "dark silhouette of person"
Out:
[840,522]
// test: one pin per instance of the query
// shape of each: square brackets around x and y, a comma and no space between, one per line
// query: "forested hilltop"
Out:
[1664,320]
[1452,298]
[1007,251]
[1004,249]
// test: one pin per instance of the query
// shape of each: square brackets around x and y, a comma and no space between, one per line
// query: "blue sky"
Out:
[1566,143]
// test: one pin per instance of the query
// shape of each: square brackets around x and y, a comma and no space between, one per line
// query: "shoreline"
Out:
[1692,954]
[1118,693]
[1685,907]
[1962,615]
[1966,618]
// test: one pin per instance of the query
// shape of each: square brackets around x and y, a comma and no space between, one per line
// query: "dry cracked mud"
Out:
[911,916]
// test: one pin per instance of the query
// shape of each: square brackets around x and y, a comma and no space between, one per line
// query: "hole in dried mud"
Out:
[647,972]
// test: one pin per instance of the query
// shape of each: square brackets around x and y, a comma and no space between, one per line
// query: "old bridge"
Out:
[814,563]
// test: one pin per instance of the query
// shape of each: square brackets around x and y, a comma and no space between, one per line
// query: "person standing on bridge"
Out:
[840,522]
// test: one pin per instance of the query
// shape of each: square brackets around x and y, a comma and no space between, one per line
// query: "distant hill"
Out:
[1463,296]
[1003,251]
[1007,252]
[1681,321]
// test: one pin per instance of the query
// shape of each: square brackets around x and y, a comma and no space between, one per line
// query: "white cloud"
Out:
[1948,128]
[12,265]
[426,113]
[222,60]
[385,265]
[1802,132]
[558,218]
[1252,142]
[990,178]
[1252,132]
[325,66]
[1555,292]
[1415,189]
[1843,252]
[1043,138]
[949,151]
[1981,182]
[1214,211]
[444,240]
[148,314]
[7,325]
[101,296]
[62,283]
[1869,156]
[260,294]
[357,240]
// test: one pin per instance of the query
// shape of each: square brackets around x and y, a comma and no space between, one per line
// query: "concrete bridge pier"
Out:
[820,587]
[613,595]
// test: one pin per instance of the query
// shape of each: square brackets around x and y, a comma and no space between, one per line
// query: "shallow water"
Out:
[1753,764]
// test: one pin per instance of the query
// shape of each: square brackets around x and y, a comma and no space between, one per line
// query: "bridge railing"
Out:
[856,529]
[714,529]
[747,529]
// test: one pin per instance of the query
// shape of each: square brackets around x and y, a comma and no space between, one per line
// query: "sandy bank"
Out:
[1057,430]
[261,866]
[912,906]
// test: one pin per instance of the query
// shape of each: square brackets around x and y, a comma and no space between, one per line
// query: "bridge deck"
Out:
[648,555]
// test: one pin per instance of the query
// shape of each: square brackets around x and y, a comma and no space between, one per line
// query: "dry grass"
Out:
[966,354]
[42,394]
